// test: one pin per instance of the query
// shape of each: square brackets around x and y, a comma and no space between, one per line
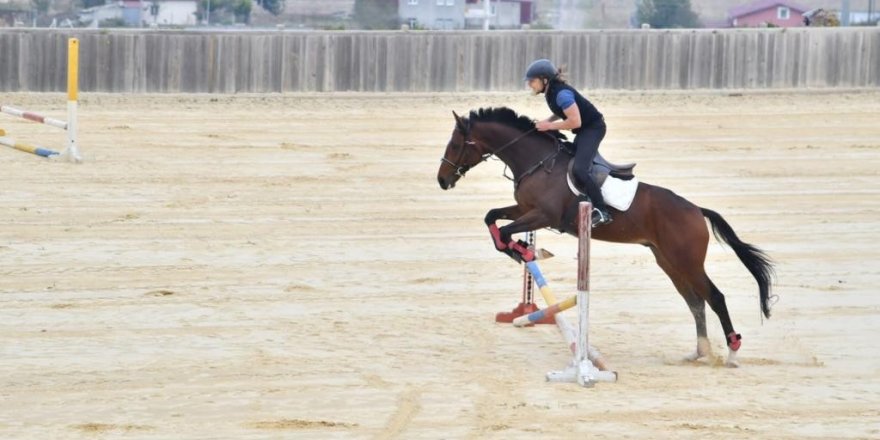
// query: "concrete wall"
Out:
[231,62]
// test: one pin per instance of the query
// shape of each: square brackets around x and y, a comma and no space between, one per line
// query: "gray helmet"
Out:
[542,68]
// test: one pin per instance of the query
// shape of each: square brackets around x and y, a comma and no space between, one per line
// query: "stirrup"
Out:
[600,217]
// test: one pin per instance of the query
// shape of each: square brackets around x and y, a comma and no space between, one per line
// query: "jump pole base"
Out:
[583,373]
[520,310]
[69,155]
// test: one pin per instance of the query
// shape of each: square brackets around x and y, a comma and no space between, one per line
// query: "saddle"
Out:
[602,168]
[599,172]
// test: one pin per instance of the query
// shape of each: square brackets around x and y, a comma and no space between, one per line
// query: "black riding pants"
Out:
[587,143]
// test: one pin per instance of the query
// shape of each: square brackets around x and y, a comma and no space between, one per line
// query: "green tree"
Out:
[226,11]
[274,7]
[41,6]
[92,3]
[112,23]
[242,10]
[376,14]
[667,14]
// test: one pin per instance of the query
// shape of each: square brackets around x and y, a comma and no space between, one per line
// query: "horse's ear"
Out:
[459,122]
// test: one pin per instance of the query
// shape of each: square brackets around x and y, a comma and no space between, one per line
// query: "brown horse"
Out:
[672,227]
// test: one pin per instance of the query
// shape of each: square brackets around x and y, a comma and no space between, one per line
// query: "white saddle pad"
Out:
[618,193]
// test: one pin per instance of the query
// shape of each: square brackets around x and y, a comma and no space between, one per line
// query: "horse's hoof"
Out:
[693,357]
[731,359]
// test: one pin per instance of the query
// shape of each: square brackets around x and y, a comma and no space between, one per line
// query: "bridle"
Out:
[460,170]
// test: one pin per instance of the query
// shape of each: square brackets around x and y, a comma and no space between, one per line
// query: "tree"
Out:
[667,14]
[376,14]
[226,11]
[91,3]
[242,10]
[41,6]
[274,7]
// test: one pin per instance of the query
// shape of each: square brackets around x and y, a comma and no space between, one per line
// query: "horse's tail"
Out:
[755,260]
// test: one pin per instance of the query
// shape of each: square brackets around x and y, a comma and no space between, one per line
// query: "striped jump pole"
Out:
[27,148]
[24,114]
[71,151]
[582,369]
[527,305]
[567,330]
[549,297]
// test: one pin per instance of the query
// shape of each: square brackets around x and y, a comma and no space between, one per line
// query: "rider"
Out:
[578,115]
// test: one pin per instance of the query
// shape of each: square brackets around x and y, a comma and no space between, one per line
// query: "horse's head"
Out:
[462,153]
[493,131]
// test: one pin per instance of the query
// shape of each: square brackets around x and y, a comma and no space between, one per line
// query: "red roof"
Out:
[761,5]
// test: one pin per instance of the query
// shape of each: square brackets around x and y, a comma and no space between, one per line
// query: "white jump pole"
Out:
[581,369]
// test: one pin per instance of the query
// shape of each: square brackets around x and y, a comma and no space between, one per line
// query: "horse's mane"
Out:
[508,117]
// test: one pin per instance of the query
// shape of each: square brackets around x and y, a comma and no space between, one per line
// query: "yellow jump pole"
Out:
[71,153]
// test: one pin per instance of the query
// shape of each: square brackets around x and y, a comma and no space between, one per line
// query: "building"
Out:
[503,14]
[14,13]
[465,14]
[767,13]
[94,16]
[169,12]
[139,13]
[432,14]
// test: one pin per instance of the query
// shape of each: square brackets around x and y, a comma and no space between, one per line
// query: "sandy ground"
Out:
[287,267]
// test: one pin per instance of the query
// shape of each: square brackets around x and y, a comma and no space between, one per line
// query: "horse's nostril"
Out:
[442,183]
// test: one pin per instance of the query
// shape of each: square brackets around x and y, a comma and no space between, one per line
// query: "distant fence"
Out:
[417,61]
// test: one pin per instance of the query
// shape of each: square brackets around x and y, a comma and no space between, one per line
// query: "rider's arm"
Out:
[553,122]
[572,121]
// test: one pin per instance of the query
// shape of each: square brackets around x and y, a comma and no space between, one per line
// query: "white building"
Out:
[170,12]
[460,14]
[139,13]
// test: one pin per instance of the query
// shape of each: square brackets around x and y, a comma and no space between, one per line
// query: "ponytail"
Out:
[560,75]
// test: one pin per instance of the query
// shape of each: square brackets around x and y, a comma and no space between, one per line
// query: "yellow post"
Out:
[72,69]
[71,153]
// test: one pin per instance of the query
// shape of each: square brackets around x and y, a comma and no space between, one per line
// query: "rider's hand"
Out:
[543,125]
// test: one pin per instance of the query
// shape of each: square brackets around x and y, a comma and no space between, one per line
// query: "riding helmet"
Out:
[542,68]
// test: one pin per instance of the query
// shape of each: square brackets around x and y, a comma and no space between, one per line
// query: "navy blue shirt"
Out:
[560,96]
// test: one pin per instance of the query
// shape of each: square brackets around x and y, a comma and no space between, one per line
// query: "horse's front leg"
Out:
[522,222]
[507,213]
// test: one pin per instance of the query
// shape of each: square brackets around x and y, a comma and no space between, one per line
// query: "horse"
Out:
[673,228]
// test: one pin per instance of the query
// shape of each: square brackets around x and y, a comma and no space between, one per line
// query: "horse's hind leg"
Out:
[719,306]
[698,309]
[682,240]
[696,304]
[700,290]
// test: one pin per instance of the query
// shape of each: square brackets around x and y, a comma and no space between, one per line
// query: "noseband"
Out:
[460,170]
